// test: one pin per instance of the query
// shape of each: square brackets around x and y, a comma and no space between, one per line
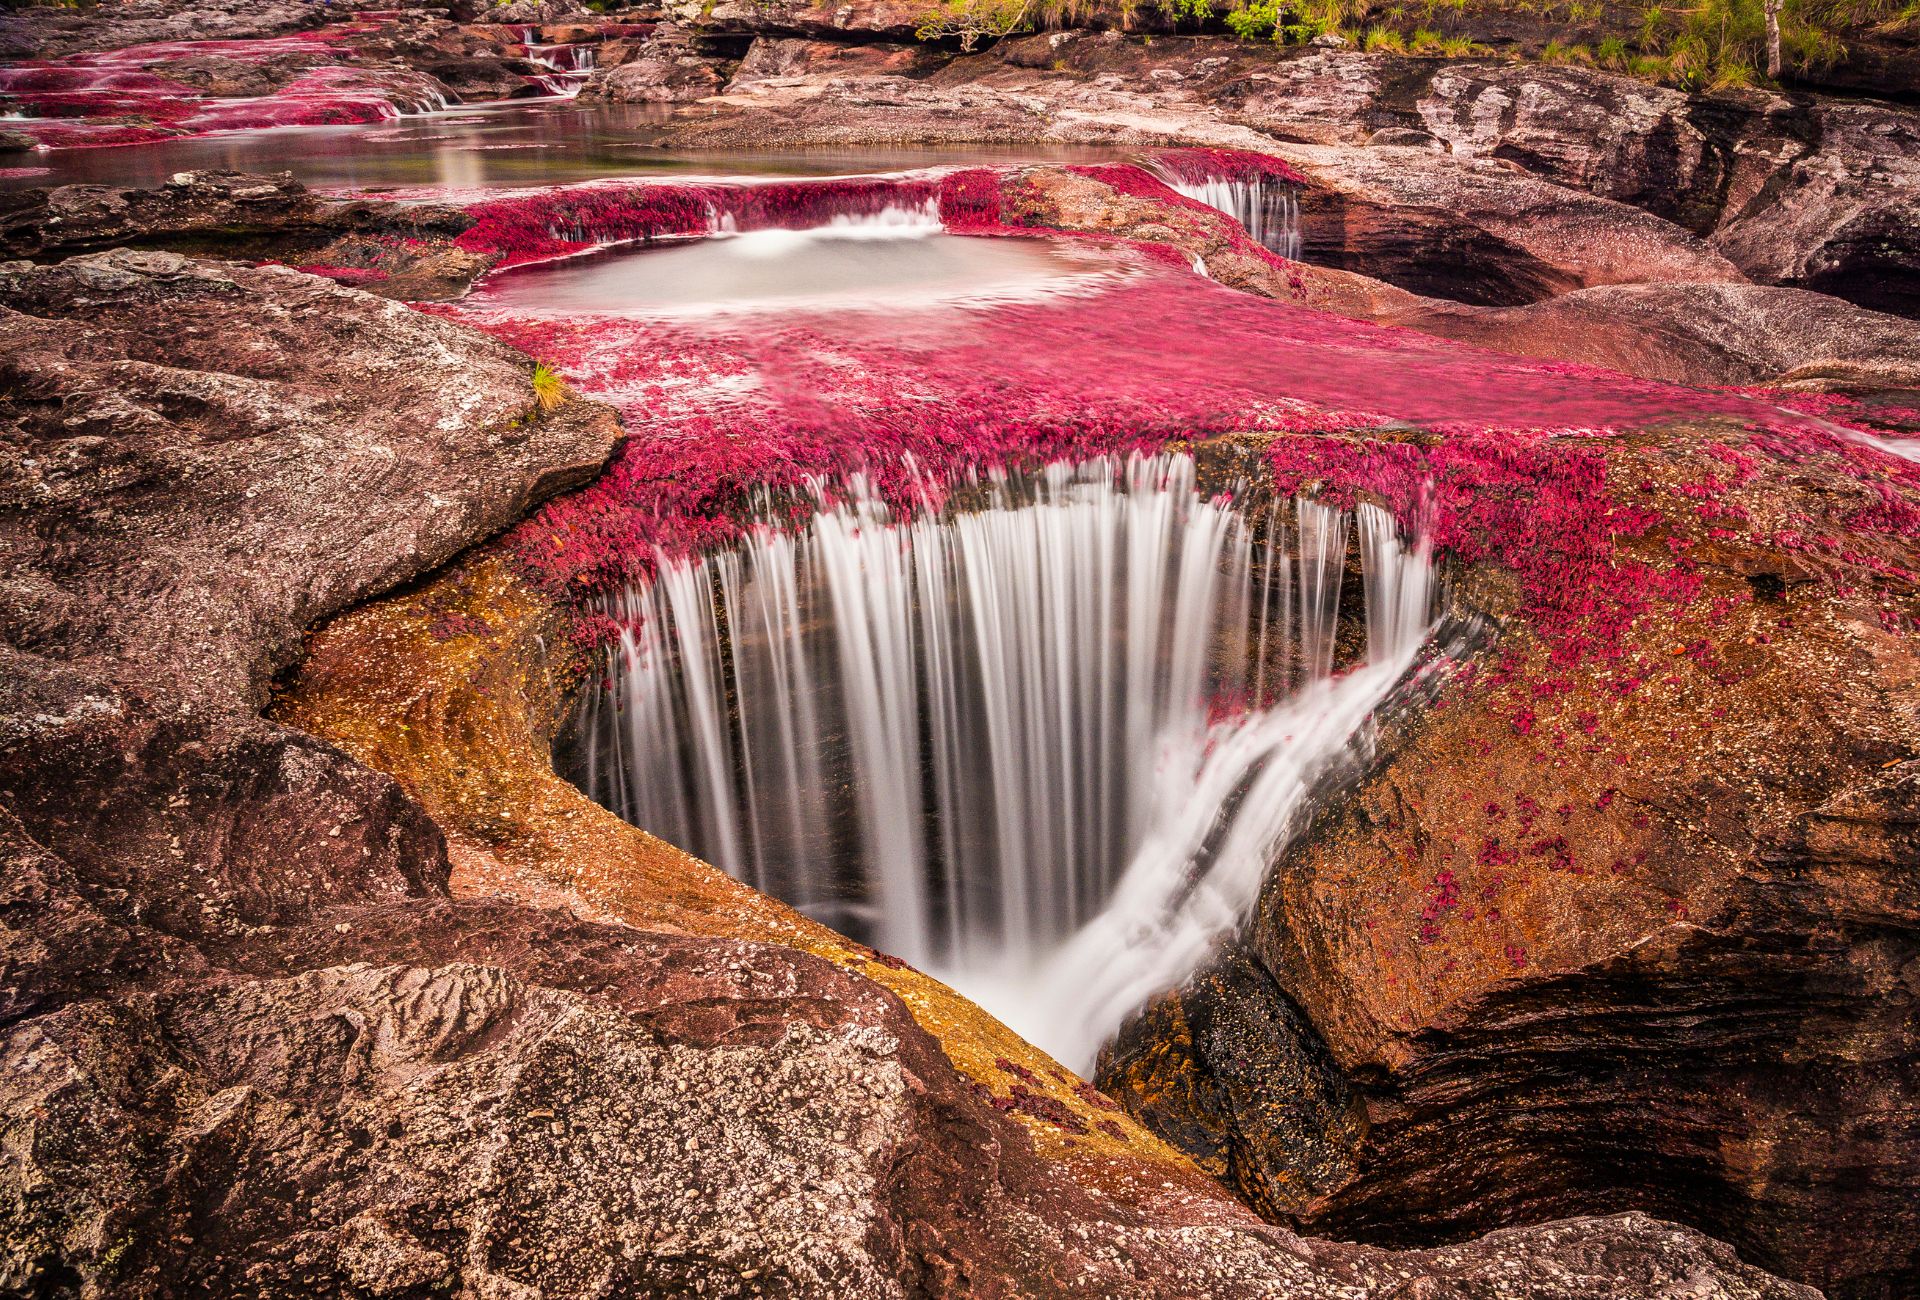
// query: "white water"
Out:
[1009,744]
[566,68]
[894,221]
[1269,210]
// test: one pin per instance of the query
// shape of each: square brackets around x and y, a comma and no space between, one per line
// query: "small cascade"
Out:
[1268,208]
[891,221]
[564,68]
[1042,741]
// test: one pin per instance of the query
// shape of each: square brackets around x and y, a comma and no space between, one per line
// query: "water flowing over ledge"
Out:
[1043,741]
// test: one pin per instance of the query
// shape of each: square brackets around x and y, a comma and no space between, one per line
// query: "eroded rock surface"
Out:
[1634,931]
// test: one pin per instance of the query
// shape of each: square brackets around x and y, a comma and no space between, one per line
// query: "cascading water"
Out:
[565,68]
[1269,209]
[1043,743]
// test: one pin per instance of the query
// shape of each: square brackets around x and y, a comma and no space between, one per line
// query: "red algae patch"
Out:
[716,408]
[123,96]
[1500,459]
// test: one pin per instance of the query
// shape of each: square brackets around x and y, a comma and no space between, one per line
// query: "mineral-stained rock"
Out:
[1630,931]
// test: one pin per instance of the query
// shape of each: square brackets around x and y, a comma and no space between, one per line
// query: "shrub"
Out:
[973,20]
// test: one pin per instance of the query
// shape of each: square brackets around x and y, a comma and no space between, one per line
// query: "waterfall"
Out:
[564,68]
[1044,740]
[892,221]
[1268,209]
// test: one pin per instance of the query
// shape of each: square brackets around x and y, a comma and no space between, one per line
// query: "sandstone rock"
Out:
[1480,232]
[1844,217]
[894,19]
[148,370]
[1515,971]
[770,57]
[1692,334]
[49,32]
[1822,195]
[656,76]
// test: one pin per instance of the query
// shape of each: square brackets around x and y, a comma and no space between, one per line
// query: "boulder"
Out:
[1843,217]
[1735,334]
[665,68]
[235,210]
[770,57]
[1818,194]
[891,19]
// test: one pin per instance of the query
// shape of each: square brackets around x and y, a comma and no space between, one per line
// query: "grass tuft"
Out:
[549,389]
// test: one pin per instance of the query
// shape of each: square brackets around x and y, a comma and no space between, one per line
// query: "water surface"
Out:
[543,142]
[895,260]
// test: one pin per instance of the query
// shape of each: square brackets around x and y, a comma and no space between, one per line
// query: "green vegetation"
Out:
[549,389]
[1694,44]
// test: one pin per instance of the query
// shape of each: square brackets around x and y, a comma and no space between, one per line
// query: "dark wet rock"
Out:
[1547,955]
[481,78]
[208,206]
[1482,232]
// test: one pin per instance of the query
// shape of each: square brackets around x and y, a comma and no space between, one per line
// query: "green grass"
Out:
[549,389]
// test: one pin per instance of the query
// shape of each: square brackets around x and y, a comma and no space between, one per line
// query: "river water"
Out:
[541,142]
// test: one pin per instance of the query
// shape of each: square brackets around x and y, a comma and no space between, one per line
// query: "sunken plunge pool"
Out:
[1041,741]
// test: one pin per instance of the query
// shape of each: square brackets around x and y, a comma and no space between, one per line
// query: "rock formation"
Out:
[317,979]
[255,1046]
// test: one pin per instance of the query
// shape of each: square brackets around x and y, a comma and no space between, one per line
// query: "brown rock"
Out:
[1691,334]
[251,1045]
[228,206]
[1482,232]
[1592,967]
